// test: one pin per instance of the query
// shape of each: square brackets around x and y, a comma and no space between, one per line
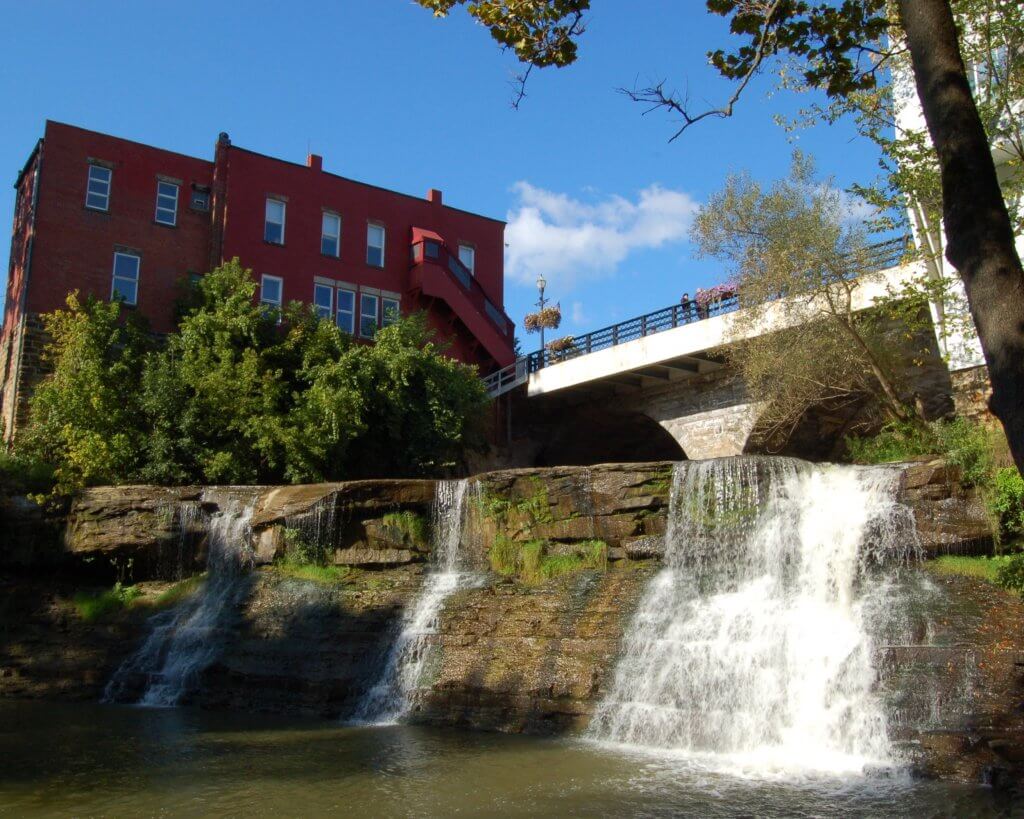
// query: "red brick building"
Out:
[110,217]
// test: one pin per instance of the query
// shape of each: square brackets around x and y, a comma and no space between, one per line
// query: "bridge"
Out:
[669,366]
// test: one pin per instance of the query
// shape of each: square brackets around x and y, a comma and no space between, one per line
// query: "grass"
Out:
[314,572]
[94,606]
[179,591]
[408,524]
[530,562]
[985,568]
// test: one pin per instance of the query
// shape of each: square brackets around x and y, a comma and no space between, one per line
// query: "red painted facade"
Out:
[61,244]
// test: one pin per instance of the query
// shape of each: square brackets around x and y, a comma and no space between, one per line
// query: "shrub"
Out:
[1007,501]
[1011,574]
[25,475]
[85,418]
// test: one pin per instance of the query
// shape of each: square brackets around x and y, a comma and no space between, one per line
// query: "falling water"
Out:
[391,696]
[187,639]
[751,647]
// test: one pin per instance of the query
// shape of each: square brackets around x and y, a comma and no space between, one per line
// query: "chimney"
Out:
[434,195]
[315,161]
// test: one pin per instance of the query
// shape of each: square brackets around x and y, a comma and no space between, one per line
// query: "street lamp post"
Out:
[541,302]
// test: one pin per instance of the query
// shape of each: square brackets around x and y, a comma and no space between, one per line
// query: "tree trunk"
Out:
[978,232]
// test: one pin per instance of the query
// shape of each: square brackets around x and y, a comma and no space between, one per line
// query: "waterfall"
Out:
[751,648]
[390,698]
[185,640]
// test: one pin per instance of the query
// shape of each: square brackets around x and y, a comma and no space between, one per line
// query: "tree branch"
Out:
[656,98]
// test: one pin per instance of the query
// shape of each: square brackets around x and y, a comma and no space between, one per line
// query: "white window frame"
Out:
[325,235]
[471,267]
[396,304]
[363,298]
[267,222]
[383,243]
[317,307]
[280,291]
[161,195]
[109,182]
[114,278]
[351,330]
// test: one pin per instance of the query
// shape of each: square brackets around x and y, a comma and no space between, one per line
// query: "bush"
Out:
[969,446]
[1007,501]
[1011,575]
[25,475]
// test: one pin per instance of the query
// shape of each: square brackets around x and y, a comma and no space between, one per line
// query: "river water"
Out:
[108,760]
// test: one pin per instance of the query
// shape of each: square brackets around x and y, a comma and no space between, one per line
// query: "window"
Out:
[273,230]
[271,288]
[167,203]
[346,315]
[97,194]
[125,286]
[200,199]
[323,300]
[375,245]
[467,255]
[391,311]
[330,235]
[367,315]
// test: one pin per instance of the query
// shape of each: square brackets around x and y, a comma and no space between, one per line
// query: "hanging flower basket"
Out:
[562,347]
[548,319]
[716,294]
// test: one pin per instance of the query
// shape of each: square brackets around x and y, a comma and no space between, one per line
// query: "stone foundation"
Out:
[971,392]
[23,366]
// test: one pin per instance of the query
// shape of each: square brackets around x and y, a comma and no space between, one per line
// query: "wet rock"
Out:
[950,518]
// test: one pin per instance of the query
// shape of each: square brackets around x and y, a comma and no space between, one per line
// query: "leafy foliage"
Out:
[976,450]
[240,394]
[791,251]
[540,32]
[1011,574]
[1007,501]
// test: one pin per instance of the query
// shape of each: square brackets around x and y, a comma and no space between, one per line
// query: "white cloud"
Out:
[578,315]
[571,241]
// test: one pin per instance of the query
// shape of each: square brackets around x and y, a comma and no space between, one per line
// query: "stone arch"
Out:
[717,433]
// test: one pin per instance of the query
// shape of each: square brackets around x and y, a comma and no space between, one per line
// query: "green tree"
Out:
[840,48]
[421,407]
[789,247]
[238,393]
[242,394]
[85,417]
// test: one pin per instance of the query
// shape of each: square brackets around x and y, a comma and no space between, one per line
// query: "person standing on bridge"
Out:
[687,305]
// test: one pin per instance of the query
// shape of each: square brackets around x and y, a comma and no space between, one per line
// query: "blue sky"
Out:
[595,196]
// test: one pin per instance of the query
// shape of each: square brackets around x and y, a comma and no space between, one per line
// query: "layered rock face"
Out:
[512,652]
